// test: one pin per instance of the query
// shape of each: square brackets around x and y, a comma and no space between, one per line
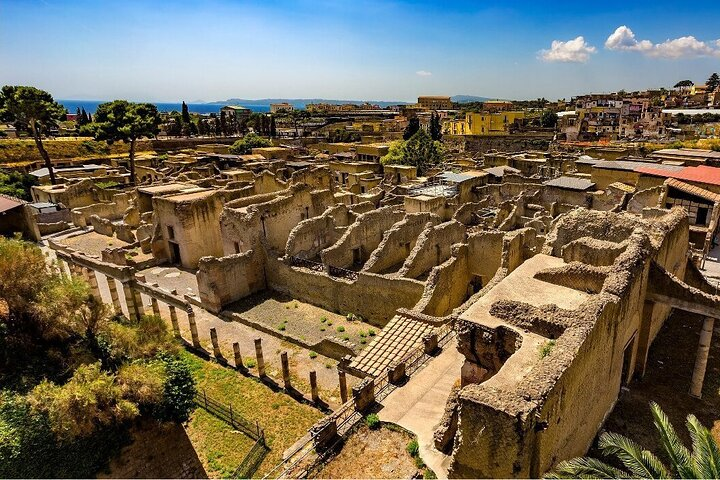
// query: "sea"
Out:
[91,105]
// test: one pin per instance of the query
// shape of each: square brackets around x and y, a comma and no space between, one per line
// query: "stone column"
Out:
[259,356]
[238,358]
[92,281]
[114,297]
[174,321]
[343,386]
[215,344]
[138,296]
[130,302]
[314,387]
[701,357]
[285,370]
[193,327]
[155,306]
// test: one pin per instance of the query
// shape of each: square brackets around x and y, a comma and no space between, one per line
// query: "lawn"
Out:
[219,448]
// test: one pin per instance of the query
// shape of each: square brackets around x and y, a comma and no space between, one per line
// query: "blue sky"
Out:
[368,50]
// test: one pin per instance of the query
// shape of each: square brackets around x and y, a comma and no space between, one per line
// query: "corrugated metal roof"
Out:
[643,167]
[570,183]
[699,174]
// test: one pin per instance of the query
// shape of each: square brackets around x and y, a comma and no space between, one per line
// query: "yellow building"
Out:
[483,123]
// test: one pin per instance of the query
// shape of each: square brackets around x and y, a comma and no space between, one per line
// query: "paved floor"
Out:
[419,405]
[711,268]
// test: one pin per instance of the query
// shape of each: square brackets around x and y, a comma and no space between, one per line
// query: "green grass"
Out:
[283,419]
[546,348]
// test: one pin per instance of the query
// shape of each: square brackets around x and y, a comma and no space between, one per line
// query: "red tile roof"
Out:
[699,174]
[8,203]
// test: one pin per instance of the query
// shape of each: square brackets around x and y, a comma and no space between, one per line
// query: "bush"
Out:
[372,421]
[413,448]
[248,142]
[313,355]
[546,348]
[340,329]
[371,332]
[323,319]
[250,363]
[178,392]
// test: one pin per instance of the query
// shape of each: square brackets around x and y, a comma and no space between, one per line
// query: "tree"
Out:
[297,117]
[548,119]
[420,151]
[33,109]
[412,127]
[713,82]
[435,127]
[248,142]
[123,121]
[702,461]
[273,128]
[684,84]
[185,113]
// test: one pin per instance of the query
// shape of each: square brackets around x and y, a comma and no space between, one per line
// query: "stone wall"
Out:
[432,248]
[224,280]
[398,242]
[373,297]
[194,223]
[311,236]
[448,285]
[364,234]
[524,424]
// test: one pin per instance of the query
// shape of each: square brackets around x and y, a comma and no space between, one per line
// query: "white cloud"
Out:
[576,50]
[423,73]
[624,39]
[684,47]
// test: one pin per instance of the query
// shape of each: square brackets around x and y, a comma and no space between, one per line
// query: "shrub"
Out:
[346,337]
[250,363]
[340,329]
[248,142]
[322,329]
[281,327]
[413,448]
[313,355]
[328,365]
[329,323]
[323,319]
[371,332]
[372,421]
[546,348]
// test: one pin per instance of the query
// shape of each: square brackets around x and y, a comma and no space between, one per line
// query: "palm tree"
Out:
[703,461]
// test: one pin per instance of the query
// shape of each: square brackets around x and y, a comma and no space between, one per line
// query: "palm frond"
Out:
[677,452]
[705,454]
[641,463]
[585,467]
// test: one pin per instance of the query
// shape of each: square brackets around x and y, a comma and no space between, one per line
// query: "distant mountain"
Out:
[300,102]
[469,98]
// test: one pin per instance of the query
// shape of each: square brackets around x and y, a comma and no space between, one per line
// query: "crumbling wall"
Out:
[485,254]
[374,297]
[311,236]
[398,242]
[645,198]
[432,248]
[112,211]
[448,285]
[223,280]
[102,226]
[365,234]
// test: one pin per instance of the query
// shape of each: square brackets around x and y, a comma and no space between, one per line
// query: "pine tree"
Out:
[713,82]
[185,113]
[435,128]
[412,128]
[85,117]
[273,128]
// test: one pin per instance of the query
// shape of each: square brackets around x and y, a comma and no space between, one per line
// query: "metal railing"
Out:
[229,416]
[319,267]
[252,460]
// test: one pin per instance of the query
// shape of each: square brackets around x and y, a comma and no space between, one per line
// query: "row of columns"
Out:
[260,364]
[134,303]
[133,299]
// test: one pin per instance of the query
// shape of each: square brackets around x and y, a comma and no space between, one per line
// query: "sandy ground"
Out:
[372,454]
